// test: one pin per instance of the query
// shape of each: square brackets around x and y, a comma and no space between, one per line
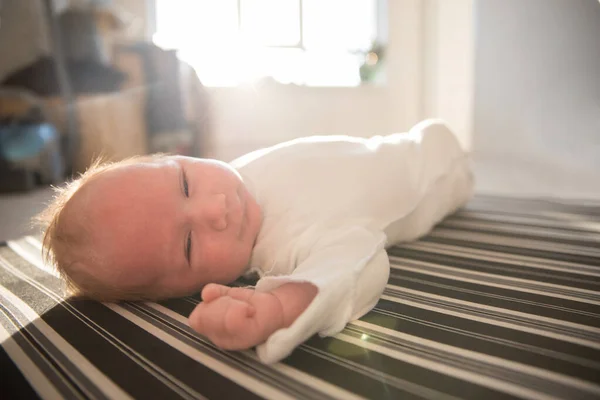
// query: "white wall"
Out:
[538,82]
[247,119]
[448,62]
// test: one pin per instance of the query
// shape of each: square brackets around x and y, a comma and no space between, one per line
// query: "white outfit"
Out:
[331,204]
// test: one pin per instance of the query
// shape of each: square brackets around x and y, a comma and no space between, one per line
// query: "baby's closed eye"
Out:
[185,184]
[188,248]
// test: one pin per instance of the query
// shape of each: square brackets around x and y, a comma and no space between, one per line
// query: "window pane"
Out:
[203,24]
[270,22]
[339,24]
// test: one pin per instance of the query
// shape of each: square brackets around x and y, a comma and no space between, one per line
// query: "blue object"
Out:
[34,148]
[21,142]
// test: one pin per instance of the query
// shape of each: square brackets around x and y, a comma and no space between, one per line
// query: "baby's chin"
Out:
[194,288]
[233,273]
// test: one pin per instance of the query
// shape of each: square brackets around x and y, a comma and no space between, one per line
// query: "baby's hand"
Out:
[237,318]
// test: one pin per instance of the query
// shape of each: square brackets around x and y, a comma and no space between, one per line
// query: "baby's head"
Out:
[151,227]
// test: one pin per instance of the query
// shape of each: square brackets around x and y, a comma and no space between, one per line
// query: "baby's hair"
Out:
[59,243]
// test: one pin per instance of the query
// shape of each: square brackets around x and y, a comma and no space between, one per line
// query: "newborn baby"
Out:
[312,217]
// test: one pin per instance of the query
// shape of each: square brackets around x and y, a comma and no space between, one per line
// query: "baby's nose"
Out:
[216,211]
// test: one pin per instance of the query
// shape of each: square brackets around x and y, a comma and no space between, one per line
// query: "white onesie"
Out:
[332,204]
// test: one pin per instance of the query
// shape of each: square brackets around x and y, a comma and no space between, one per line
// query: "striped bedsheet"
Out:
[501,300]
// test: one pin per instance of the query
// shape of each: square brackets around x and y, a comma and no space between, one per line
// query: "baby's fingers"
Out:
[213,291]
[222,321]
[197,319]
[239,293]
[238,319]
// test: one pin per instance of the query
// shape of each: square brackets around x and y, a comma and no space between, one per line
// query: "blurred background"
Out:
[518,81]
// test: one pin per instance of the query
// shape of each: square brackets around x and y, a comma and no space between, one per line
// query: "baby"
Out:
[312,217]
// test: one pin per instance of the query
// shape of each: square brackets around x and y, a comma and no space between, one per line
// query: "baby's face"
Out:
[176,223]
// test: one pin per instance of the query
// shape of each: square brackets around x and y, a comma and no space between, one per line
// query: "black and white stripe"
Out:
[501,300]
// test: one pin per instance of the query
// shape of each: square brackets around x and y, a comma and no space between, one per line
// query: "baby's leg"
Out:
[444,197]
[447,182]
[437,139]
[434,139]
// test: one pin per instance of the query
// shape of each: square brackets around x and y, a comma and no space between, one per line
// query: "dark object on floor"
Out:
[501,300]
[14,179]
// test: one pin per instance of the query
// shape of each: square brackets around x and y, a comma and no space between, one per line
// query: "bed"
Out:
[501,300]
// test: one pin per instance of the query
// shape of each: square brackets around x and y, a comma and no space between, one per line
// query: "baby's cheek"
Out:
[222,252]
[232,260]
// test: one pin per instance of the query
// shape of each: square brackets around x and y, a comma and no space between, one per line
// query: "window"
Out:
[306,42]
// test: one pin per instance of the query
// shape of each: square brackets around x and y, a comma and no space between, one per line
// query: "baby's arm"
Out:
[350,268]
[341,280]
[239,318]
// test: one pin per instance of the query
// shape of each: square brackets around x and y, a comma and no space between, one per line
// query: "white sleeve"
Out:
[350,269]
